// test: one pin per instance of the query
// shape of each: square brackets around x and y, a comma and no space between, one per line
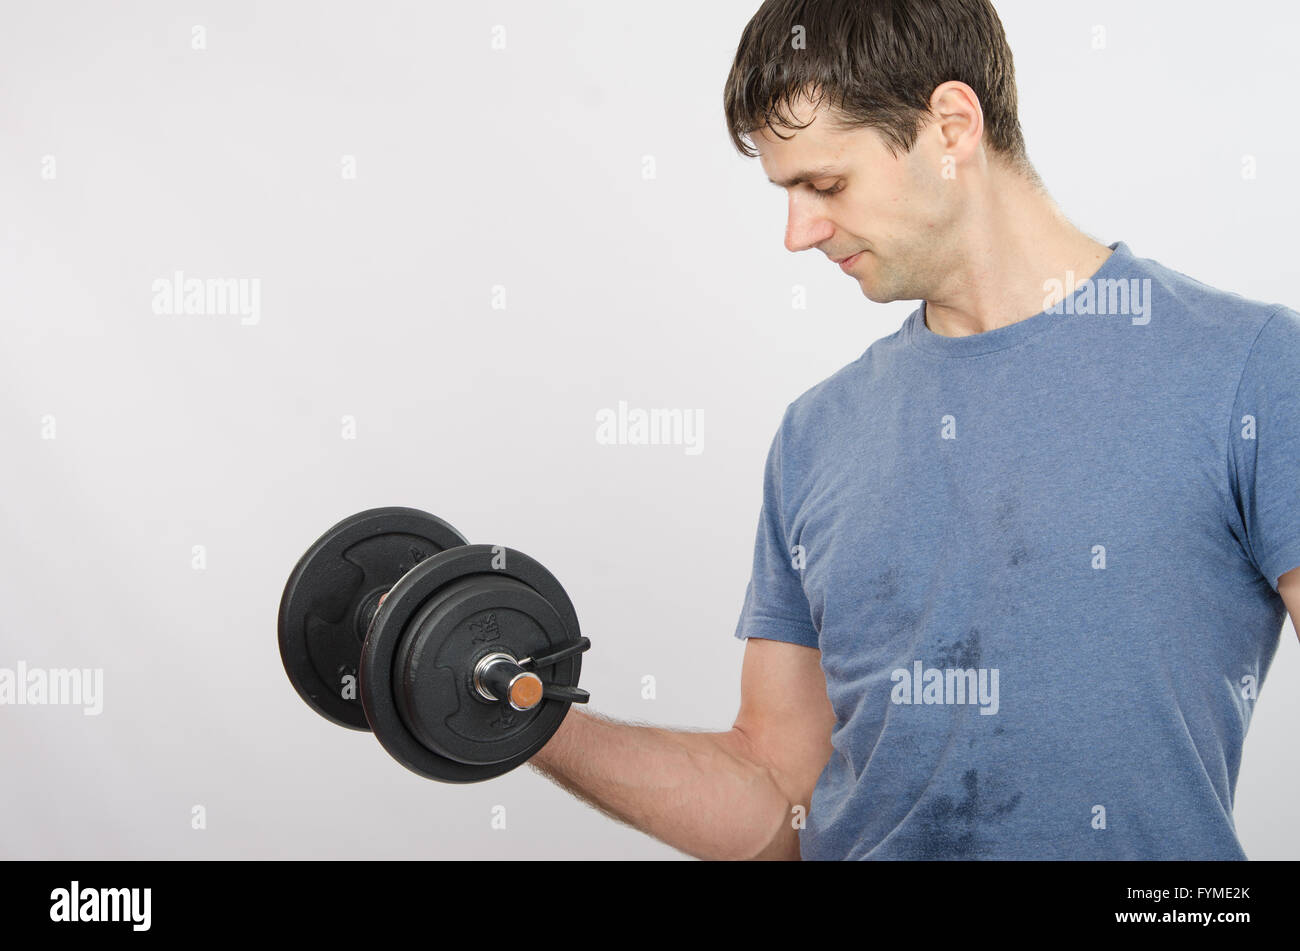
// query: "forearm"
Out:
[706,794]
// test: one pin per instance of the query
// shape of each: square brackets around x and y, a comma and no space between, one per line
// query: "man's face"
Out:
[898,215]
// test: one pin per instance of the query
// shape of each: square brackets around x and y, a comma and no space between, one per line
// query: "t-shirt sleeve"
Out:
[1264,447]
[775,604]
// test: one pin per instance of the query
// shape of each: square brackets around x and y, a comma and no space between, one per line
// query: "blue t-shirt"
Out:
[1040,564]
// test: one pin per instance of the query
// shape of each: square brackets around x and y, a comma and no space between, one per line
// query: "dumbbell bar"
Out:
[461,659]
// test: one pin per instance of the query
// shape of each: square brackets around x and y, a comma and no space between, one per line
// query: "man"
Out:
[1022,567]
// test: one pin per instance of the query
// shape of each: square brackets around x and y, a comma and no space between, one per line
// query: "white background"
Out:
[523,168]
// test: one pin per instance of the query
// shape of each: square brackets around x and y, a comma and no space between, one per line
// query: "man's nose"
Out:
[805,227]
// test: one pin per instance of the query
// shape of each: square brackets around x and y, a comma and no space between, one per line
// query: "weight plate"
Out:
[433,670]
[421,648]
[332,593]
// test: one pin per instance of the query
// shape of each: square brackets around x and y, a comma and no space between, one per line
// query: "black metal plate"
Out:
[432,609]
[328,598]
[434,665]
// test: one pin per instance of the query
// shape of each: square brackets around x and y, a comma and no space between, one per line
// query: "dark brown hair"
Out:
[876,63]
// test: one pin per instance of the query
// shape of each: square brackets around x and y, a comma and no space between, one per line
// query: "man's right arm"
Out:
[728,795]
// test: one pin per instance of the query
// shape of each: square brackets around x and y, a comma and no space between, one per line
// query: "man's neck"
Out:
[1022,244]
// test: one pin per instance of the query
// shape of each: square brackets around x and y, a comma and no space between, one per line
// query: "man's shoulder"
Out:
[825,403]
[1201,306]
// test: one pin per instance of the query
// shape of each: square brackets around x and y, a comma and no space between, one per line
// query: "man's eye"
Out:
[830,191]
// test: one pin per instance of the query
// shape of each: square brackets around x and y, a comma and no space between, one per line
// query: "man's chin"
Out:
[867,282]
[876,291]
[871,293]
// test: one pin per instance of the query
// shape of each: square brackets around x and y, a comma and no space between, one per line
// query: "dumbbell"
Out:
[461,659]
